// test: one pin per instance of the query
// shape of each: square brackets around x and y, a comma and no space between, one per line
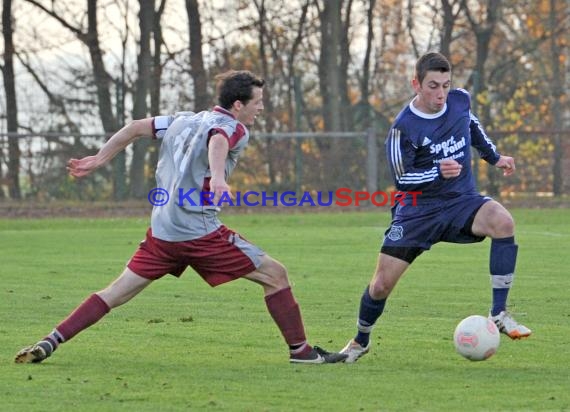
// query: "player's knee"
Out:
[509,227]
[111,299]
[504,226]
[281,276]
[379,288]
[496,221]
[277,273]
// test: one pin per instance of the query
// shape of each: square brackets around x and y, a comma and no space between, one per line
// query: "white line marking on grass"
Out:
[550,234]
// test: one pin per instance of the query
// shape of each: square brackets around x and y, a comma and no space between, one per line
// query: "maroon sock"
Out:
[85,315]
[286,313]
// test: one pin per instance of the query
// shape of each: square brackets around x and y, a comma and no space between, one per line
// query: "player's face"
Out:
[432,92]
[249,111]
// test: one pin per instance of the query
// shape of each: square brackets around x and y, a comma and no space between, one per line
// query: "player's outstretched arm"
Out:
[117,142]
[506,163]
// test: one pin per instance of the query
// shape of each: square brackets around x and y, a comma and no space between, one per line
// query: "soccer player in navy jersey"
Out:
[198,153]
[429,151]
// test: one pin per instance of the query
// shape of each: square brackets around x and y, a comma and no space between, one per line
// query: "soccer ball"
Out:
[476,338]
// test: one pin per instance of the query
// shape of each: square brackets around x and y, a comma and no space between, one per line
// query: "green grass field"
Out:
[181,345]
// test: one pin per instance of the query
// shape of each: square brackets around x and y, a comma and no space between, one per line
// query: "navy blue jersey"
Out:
[418,142]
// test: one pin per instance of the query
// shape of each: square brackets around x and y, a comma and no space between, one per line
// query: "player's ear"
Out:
[237,105]
[416,84]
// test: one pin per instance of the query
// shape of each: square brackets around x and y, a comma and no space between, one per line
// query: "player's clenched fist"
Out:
[449,168]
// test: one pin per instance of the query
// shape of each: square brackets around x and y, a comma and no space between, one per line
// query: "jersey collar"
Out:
[220,109]
[426,115]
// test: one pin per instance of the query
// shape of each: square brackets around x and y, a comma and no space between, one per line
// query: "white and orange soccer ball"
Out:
[476,338]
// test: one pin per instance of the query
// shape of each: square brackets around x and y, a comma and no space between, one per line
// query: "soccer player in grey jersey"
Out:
[428,150]
[197,155]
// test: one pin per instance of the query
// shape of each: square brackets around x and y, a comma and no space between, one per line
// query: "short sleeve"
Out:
[233,134]
[160,124]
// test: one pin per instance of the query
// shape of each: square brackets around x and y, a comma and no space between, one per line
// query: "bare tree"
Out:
[483,31]
[410,27]
[329,76]
[451,10]
[345,58]
[11,102]
[365,80]
[278,67]
[142,87]
[291,64]
[120,191]
[264,38]
[157,66]
[508,48]
[56,100]
[197,69]
[155,85]
[90,38]
[557,87]
[102,79]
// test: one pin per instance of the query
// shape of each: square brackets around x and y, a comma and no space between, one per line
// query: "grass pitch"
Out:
[181,345]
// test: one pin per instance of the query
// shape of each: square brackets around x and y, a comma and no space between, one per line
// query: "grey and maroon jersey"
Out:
[183,171]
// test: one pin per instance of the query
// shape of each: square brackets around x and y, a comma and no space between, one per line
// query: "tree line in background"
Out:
[84,67]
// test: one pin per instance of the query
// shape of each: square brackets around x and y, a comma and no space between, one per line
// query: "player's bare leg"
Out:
[388,271]
[284,310]
[124,288]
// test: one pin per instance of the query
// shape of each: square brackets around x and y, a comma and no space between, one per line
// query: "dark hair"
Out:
[236,85]
[431,62]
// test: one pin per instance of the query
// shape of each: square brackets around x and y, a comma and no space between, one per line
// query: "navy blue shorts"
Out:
[441,221]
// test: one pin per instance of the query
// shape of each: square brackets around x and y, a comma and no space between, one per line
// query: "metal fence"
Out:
[282,162]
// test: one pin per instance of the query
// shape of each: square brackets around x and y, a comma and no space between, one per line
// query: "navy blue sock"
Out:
[370,311]
[499,301]
[502,267]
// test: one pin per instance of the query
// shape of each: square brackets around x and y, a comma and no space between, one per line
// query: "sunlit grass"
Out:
[182,345]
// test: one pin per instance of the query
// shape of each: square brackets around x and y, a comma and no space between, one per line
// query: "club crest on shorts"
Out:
[396,233]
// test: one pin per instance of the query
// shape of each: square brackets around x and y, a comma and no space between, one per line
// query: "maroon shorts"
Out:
[218,257]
